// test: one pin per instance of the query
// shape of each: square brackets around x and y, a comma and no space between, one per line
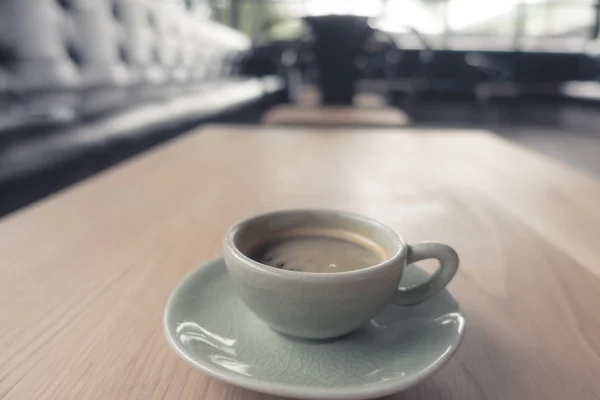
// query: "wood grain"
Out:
[85,275]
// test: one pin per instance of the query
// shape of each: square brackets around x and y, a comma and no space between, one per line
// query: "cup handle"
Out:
[418,293]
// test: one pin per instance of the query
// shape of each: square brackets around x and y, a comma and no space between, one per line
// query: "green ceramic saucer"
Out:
[209,327]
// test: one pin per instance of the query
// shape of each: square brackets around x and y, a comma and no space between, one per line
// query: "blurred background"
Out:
[549,25]
[86,84]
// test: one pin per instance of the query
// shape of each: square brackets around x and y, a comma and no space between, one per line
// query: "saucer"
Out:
[210,328]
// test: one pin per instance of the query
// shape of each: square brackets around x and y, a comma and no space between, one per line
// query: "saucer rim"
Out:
[372,390]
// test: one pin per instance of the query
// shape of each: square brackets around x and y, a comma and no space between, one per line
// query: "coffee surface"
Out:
[318,251]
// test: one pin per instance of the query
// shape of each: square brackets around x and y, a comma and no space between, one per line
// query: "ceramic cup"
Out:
[326,305]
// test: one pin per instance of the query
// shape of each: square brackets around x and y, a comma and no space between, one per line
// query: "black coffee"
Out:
[319,250]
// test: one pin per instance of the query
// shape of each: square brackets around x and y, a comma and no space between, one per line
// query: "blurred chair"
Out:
[489,76]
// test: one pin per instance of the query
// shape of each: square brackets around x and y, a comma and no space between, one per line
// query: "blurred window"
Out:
[539,25]
[402,17]
[371,8]
[200,7]
[483,25]
[256,16]
[564,26]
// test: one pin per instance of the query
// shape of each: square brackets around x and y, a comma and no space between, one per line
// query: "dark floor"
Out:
[567,134]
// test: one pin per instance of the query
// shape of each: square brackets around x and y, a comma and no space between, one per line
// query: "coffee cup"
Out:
[328,298]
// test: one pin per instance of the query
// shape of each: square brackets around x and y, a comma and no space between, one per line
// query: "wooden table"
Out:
[84,275]
[335,116]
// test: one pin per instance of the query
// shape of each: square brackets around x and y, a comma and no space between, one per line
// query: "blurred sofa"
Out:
[87,83]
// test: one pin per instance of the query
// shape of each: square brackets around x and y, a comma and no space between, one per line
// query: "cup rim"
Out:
[230,236]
